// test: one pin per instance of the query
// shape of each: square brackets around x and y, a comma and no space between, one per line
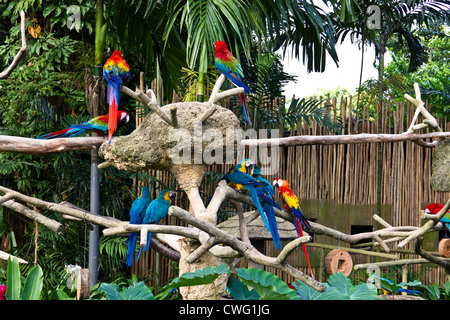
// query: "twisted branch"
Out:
[429,121]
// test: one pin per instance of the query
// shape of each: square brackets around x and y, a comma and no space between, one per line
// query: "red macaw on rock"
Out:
[98,124]
[115,70]
[231,68]
[292,205]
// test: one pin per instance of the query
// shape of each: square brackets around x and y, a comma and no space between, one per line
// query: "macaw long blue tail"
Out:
[132,238]
[255,199]
[146,247]
[273,225]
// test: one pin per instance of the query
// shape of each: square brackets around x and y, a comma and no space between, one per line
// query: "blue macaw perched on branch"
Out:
[137,213]
[266,193]
[156,211]
[115,70]
[239,178]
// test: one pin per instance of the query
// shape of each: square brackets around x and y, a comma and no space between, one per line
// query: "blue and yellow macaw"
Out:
[388,286]
[240,179]
[137,213]
[266,194]
[156,211]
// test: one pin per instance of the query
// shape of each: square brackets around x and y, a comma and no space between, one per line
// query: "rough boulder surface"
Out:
[154,143]
[440,169]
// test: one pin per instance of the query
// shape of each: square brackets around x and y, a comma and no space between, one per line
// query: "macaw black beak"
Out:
[124,120]
[275,183]
[172,195]
[249,166]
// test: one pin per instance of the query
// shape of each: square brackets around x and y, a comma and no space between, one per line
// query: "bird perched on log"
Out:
[156,211]
[98,124]
[266,193]
[137,213]
[434,208]
[115,70]
[231,68]
[240,177]
[292,205]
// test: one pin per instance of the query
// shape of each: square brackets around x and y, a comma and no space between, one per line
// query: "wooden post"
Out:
[405,277]
[83,285]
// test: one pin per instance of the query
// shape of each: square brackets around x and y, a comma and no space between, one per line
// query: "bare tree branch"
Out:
[41,147]
[343,139]
[22,52]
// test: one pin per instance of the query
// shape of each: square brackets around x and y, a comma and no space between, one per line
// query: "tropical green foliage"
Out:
[135,291]
[29,290]
[436,292]
[338,287]
[432,75]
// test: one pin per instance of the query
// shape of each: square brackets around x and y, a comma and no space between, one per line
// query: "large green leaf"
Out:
[347,289]
[268,285]
[339,287]
[33,285]
[239,291]
[307,293]
[139,291]
[13,284]
[199,277]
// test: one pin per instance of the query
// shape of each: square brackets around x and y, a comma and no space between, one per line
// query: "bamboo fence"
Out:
[341,174]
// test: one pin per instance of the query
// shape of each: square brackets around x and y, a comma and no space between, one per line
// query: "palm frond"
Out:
[310,111]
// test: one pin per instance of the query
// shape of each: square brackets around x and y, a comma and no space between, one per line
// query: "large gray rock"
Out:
[186,150]
[440,169]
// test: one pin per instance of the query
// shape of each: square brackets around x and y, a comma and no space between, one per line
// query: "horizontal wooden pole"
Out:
[342,139]
[39,147]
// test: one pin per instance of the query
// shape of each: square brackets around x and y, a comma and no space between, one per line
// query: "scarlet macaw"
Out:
[240,179]
[156,211]
[115,70]
[434,208]
[137,213]
[292,205]
[266,193]
[231,68]
[98,124]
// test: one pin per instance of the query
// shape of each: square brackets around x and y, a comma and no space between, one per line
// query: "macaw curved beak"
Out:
[125,119]
[172,194]
[249,166]
[275,183]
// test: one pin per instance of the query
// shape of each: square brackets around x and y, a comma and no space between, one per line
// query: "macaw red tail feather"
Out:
[300,233]
[112,119]
[245,108]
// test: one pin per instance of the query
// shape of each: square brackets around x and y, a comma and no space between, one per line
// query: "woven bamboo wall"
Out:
[334,175]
